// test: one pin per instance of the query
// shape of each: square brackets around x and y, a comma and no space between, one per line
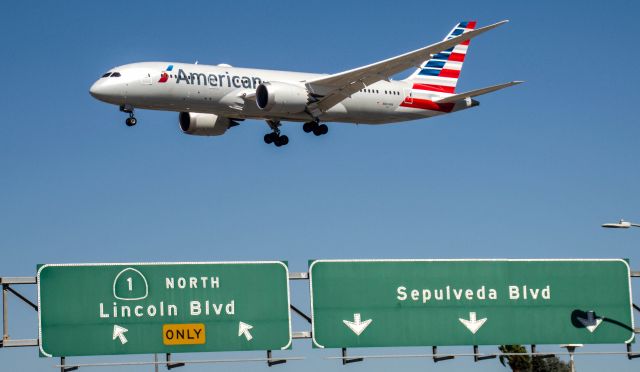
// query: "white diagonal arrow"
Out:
[243,329]
[591,323]
[118,332]
[473,324]
[357,326]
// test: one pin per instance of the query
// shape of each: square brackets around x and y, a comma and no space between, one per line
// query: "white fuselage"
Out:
[230,92]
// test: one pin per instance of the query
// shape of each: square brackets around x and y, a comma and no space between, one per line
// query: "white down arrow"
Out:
[473,324]
[357,326]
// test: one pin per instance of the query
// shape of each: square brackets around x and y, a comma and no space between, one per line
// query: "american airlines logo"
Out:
[164,76]
[213,80]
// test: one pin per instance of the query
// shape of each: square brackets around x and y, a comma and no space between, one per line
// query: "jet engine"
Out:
[281,98]
[204,124]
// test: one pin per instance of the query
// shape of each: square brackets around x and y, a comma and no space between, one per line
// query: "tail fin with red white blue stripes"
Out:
[440,73]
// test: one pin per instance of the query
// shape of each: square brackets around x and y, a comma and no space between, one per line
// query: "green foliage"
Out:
[517,363]
[527,363]
[551,364]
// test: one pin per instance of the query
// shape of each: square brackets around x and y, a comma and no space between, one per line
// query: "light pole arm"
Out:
[622,224]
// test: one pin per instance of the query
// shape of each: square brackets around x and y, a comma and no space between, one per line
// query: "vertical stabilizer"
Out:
[440,73]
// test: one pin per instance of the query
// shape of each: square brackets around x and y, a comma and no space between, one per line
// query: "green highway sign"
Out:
[140,308]
[376,303]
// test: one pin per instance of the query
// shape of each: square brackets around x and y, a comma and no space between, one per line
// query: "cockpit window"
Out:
[115,74]
[106,75]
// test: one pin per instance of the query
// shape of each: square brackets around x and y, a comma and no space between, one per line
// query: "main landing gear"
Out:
[316,128]
[275,137]
[131,120]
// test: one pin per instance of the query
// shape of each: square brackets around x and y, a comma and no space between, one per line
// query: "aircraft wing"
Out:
[477,92]
[328,91]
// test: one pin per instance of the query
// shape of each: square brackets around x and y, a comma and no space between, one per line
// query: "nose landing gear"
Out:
[131,120]
[275,137]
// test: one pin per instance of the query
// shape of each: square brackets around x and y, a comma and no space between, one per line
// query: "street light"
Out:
[571,348]
[620,225]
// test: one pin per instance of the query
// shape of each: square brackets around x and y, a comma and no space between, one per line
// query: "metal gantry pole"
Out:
[572,363]
[6,283]
[5,313]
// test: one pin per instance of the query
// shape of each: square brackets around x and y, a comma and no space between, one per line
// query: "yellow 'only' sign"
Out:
[183,334]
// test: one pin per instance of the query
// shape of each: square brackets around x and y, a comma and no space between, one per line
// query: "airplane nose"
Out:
[95,90]
[105,91]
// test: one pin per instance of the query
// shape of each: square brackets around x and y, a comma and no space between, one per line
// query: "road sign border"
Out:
[313,323]
[286,268]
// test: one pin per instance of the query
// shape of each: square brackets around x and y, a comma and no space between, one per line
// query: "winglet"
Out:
[481,30]
[484,29]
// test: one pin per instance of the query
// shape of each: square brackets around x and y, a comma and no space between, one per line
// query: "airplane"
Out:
[211,99]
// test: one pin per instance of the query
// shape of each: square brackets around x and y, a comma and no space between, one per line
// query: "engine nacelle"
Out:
[281,98]
[203,124]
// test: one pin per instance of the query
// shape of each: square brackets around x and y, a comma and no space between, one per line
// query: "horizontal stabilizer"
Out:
[477,92]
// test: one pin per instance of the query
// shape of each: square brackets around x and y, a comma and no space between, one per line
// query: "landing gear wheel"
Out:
[275,137]
[309,126]
[269,138]
[131,121]
[321,129]
[281,141]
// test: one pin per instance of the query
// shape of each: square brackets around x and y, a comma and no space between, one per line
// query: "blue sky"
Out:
[532,172]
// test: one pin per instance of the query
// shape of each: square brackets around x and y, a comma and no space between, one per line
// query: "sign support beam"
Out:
[436,358]
[170,365]
[533,351]
[273,362]
[6,289]
[631,354]
[5,314]
[346,360]
[301,314]
[477,357]
[20,296]
[66,369]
